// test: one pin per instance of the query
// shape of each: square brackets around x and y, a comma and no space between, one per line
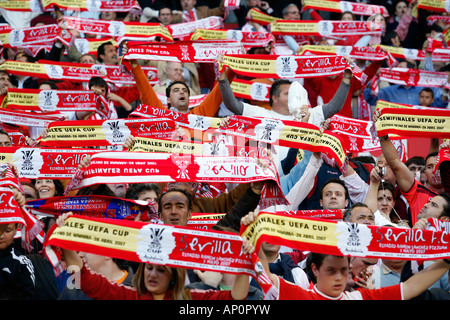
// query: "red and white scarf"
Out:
[414,77]
[181,247]
[347,239]
[37,163]
[31,119]
[357,8]
[288,66]
[109,132]
[184,31]
[119,30]
[50,100]
[136,167]
[286,133]
[409,122]
[246,39]
[184,51]
[325,28]
[97,6]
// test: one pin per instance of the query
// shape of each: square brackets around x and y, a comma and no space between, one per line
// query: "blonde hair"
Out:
[177,282]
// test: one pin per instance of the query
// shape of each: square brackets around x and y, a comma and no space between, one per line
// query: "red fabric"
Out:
[326,87]
[98,287]
[349,40]
[417,197]
[290,291]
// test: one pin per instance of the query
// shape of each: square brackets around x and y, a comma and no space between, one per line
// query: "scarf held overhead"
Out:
[173,246]
[139,167]
[347,239]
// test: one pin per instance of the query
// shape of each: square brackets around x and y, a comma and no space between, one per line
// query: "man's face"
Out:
[5,141]
[270,249]
[22,57]
[165,16]
[174,209]
[179,97]
[433,181]
[110,55]
[5,81]
[414,168]
[332,275]
[280,103]
[333,196]
[174,71]
[425,98]
[292,14]
[87,58]
[432,209]
[108,15]
[253,3]
[188,4]
[362,215]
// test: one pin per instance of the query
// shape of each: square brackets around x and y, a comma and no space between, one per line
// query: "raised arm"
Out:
[229,100]
[337,102]
[422,280]
[211,104]
[405,178]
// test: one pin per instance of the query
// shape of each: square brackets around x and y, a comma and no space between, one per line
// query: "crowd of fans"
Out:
[381,188]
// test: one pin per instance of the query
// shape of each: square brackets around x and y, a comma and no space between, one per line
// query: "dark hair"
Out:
[164,6]
[4,72]
[101,190]
[101,50]
[431,154]
[59,187]
[5,133]
[275,88]
[169,87]
[338,181]
[99,82]
[188,197]
[317,259]
[387,39]
[435,27]
[364,159]
[347,12]
[135,188]
[386,185]
[415,160]
[445,68]
[348,212]
[52,84]
[446,211]
[427,90]
[29,58]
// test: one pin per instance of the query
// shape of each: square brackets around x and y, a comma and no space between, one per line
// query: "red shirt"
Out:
[417,197]
[326,87]
[290,291]
[97,287]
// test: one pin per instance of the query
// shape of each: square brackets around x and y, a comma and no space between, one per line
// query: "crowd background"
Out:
[402,196]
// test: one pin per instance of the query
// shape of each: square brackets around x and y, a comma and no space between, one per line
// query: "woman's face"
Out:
[157,279]
[332,275]
[385,201]
[46,188]
[379,19]
[347,17]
